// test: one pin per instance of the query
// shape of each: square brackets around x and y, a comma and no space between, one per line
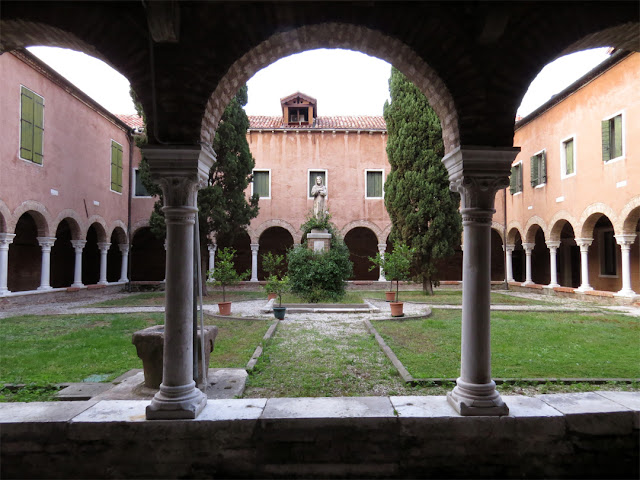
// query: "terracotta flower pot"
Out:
[396,309]
[224,308]
[390,296]
[271,296]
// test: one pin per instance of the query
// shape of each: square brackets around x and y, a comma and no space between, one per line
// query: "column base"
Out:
[581,288]
[124,280]
[552,285]
[176,403]
[4,291]
[622,293]
[77,285]
[526,284]
[470,399]
[48,287]
[103,283]
[254,280]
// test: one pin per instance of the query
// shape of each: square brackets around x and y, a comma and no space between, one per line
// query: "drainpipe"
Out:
[504,241]
[129,239]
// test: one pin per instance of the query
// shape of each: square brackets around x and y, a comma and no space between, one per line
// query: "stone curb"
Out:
[404,373]
[258,352]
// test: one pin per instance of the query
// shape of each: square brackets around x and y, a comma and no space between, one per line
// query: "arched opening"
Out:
[605,265]
[25,256]
[114,255]
[241,243]
[276,240]
[62,256]
[518,259]
[147,256]
[91,255]
[540,259]
[497,257]
[362,244]
[568,260]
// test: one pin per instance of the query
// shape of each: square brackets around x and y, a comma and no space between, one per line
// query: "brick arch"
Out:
[499,228]
[139,225]
[556,224]
[386,231]
[102,231]
[629,216]
[5,217]
[40,214]
[365,224]
[121,231]
[335,35]
[590,216]
[530,232]
[75,223]
[513,228]
[260,229]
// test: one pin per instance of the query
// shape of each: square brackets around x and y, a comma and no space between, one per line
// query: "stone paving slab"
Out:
[226,382]
[415,407]
[83,391]
[529,407]
[115,411]
[630,400]
[42,411]
[233,409]
[579,403]
[328,407]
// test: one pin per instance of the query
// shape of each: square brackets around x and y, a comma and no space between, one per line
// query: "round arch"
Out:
[364,224]
[39,213]
[629,217]
[5,217]
[514,229]
[74,221]
[499,229]
[362,243]
[119,229]
[530,231]
[591,215]
[100,225]
[557,222]
[276,240]
[257,232]
[335,35]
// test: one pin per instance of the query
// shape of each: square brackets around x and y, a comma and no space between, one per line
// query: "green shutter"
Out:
[606,152]
[534,171]
[116,167]
[543,167]
[568,157]
[374,184]
[617,136]
[261,183]
[38,129]
[26,124]
[512,180]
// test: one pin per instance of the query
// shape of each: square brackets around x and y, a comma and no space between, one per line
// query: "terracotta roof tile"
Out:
[134,121]
[360,122]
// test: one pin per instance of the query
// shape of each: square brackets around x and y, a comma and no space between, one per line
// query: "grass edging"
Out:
[404,373]
[258,351]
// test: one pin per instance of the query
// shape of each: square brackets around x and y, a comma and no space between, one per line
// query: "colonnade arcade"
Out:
[39,254]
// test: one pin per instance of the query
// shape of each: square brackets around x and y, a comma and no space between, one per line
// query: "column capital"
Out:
[255,247]
[625,238]
[78,244]
[584,242]
[6,238]
[179,170]
[103,246]
[528,247]
[553,244]
[212,248]
[508,248]
[382,247]
[124,247]
[46,242]
[477,173]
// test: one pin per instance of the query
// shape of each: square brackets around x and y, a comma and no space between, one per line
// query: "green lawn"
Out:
[454,297]
[157,299]
[70,348]
[523,344]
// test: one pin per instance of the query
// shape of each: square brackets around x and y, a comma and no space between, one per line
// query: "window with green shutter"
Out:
[374,184]
[31,126]
[612,147]
[262,183]
[568,156]
[116,166]
[539,169]
[515,181]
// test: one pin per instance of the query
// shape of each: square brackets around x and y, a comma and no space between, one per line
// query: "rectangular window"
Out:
[139,189]
[375,182]
[31,126]
[313,175]
[608,257]
[568,154]
[612,139]
[116,166]
[539,169]
[515,182]
[261,184]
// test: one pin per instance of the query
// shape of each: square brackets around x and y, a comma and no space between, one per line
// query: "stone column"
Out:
[104,249]
[78,246]
[124,250]
[625,241]
[584,244]
[553,245]
[382,247]
[45,271]
[5,240]
[509,266]
[528,248]
[180,171]
[254,261]
[212,256]
[477,173]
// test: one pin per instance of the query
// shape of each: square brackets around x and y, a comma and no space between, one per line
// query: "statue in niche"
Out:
[319,192]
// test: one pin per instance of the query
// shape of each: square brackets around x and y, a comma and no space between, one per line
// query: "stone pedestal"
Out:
[150,347]
[319,240]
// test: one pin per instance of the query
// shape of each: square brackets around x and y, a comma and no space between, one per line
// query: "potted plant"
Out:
[272,265]
[396,266]
[279,286]
[225,275]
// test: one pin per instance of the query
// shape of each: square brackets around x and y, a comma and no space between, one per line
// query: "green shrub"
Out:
[317,276]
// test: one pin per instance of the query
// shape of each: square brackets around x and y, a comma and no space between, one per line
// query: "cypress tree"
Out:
[424,212]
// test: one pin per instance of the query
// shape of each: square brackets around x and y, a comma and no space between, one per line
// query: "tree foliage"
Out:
[424,212]
[225,274]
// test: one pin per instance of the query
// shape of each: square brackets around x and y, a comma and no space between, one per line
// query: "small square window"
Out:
[375,182]
[313,175]
[568,157]
[515,182]
[139,188]
[261,184]
[539,169]
[612,138]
